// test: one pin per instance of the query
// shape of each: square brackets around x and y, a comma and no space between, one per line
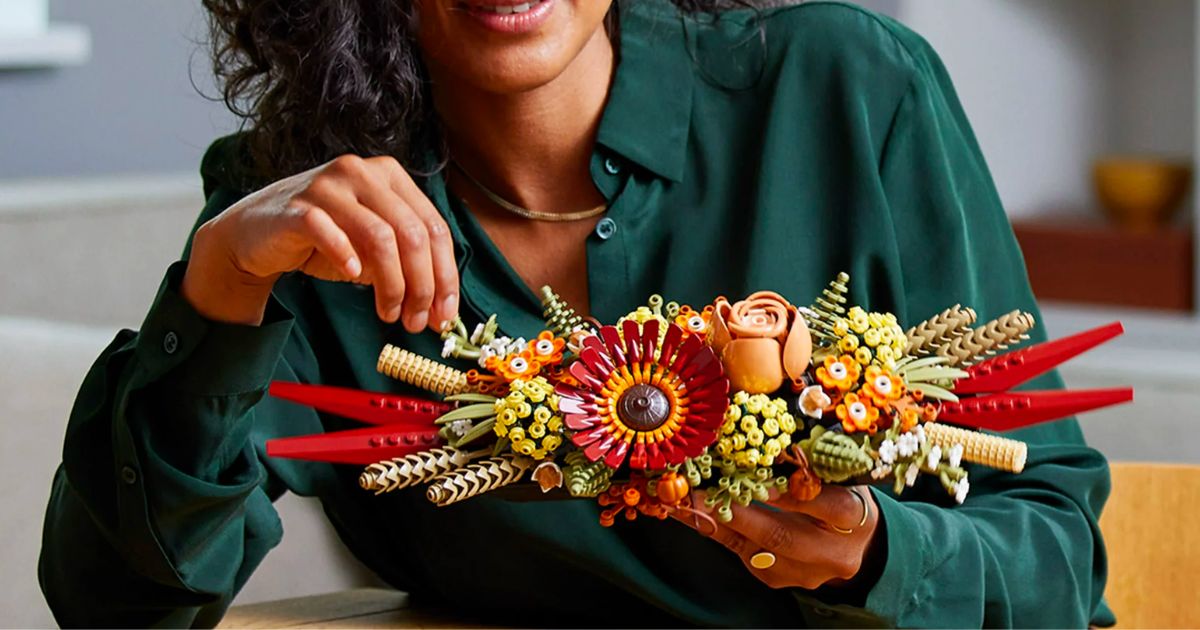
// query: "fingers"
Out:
[778,532]
[330,241]
[838,506]
[375,240]
[783,573]
[405,248]
[441,249]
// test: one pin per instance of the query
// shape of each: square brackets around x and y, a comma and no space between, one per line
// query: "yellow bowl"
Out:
[1141,193]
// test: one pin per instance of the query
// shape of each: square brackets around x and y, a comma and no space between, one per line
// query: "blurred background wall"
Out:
[98,191]
[130,109]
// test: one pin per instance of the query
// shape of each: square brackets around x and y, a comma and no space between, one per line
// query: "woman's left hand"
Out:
[825,541]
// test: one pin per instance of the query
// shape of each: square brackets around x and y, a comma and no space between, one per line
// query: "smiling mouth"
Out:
[502,9]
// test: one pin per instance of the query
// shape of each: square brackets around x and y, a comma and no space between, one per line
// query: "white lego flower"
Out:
[448,347]
[910,474]
[459,427]
[907,445]
[813,401]
[919,431]
[477,334]
[961,489]
[934,457]
[887,452]
[955,456]
[880,471]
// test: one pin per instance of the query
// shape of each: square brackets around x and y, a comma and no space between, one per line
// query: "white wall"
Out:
[1051,84]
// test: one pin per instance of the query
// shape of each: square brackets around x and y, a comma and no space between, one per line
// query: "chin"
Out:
[507,46]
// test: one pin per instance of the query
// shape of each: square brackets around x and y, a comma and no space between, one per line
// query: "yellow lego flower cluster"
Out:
[528,417]
[871,338]
[757,428]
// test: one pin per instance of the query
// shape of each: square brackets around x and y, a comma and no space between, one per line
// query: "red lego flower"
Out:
[657,403]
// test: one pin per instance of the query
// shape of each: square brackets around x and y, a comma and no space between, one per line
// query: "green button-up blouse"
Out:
[731,163]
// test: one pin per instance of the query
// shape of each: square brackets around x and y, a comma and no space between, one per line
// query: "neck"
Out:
[532,148]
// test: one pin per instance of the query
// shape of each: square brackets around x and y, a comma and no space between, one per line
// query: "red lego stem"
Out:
[1014,410]
[1009,370]
[356,446]
[415,414]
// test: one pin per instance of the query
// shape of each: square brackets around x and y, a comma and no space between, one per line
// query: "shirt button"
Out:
[611,166]
[128,475]
[170,343]
[606,228]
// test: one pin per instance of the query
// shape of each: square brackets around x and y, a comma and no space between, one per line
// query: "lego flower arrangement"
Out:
[735,399]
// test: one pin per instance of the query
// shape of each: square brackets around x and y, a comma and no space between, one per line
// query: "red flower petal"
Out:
[669,344]
[687,352]
[649,339]
[592,368]
[633,340]
[616,456]
[637,457]
[592,436]
[657,459]
[581,421]
[612,343]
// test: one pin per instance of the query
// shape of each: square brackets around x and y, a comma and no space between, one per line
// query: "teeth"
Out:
[509,9]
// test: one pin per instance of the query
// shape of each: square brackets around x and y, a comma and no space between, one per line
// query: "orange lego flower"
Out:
[547,349]
[694,322]
[858,415]
[882,387]
[840,373]
[515,365]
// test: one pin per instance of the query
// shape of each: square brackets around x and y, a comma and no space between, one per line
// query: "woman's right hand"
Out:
[351,220]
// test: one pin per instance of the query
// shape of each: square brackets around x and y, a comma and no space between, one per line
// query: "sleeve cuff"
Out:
[897,589]
[203,357]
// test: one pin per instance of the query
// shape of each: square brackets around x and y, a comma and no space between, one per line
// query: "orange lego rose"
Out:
[761,340]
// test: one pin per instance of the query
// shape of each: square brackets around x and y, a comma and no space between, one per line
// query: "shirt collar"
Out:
[649,109]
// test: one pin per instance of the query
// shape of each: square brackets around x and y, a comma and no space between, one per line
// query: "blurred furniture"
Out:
[359,608]
[1086,260]
[1153,539]
[1141,193]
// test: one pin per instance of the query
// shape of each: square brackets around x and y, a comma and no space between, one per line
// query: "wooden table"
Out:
[360,608]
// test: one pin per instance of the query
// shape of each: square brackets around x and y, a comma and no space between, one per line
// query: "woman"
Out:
[454,155]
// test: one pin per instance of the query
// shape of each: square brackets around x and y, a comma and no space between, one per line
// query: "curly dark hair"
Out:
[315,79]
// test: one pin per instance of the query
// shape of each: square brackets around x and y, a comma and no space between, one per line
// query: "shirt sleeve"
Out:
[1024,550]
[161,508]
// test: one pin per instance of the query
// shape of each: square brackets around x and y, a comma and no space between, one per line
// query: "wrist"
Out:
[221,291]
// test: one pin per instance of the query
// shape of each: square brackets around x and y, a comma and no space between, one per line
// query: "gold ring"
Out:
[762,560]
[863,521]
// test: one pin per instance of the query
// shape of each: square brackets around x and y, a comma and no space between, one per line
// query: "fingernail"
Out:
[450,305]
[393,314]
[353,267]
[417,322]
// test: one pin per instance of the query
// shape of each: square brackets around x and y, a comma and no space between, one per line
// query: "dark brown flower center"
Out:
[643,407]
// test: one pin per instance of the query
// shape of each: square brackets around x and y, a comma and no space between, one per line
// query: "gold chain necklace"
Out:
[525,213]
